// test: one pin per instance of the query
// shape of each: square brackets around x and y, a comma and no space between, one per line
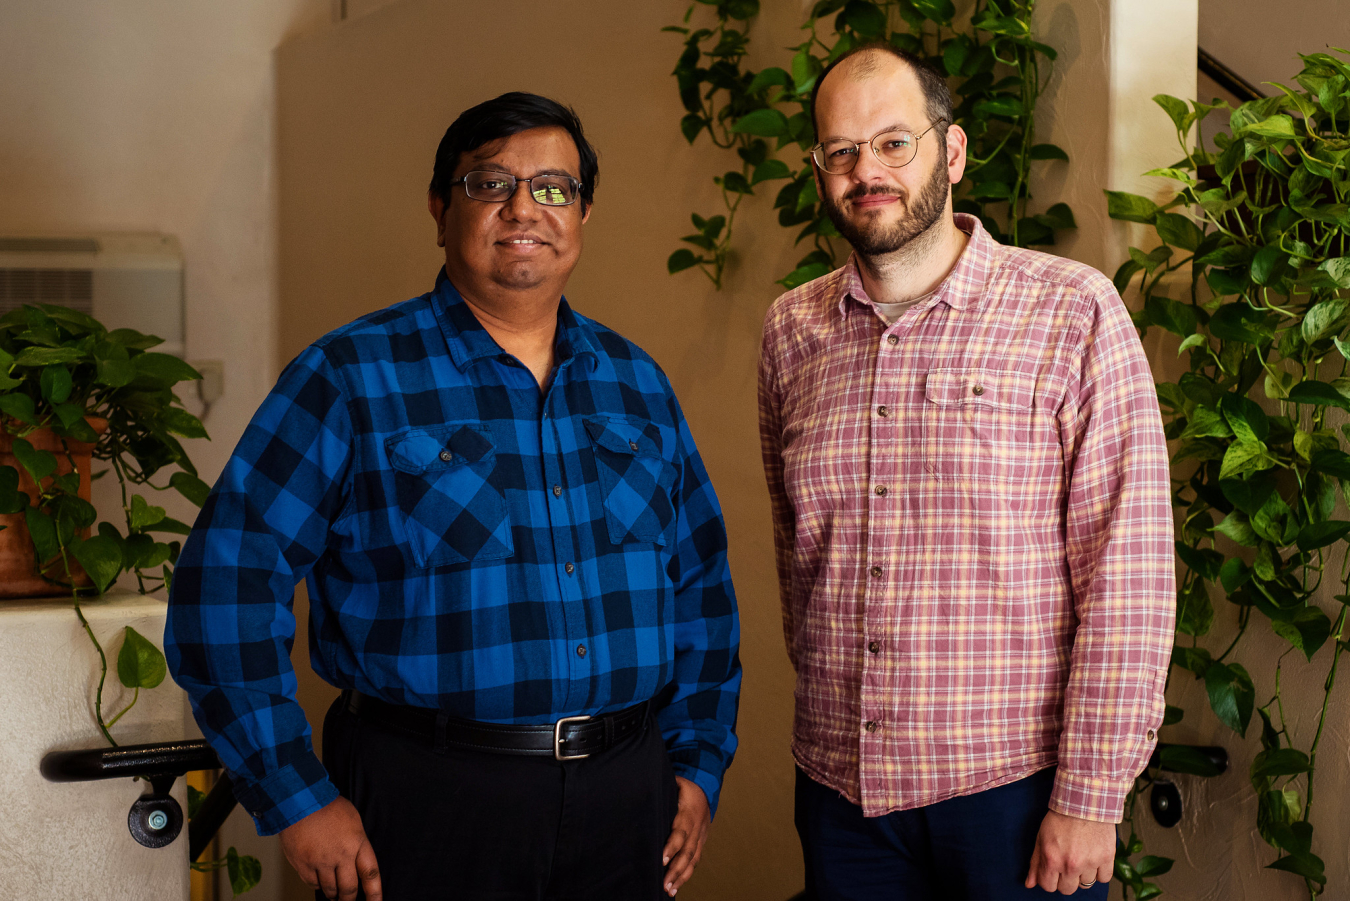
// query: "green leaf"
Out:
[1280,762]
[1058,216]
[691,125]
[1321,534]
[1269,264]
[736,182]
[139,664]
[39,463]
[1185,759]
[1307,630]
[1238,527]
[1321,320]
[114,373]
[765,123]
[42,529]
[1339,270]
[1191,342]
[101,558]
[1239,322]
[1178,318]
[1233,574]
[191,487]
[1180,175]
[1130,207]
[937,10]
[1332,462]
[1279,126]
[1003,105]
[1196,660]
[1206,423]
[1195,613]
[1231,695]
[1248,495]
[245,871]
[803,274]
[770,169]
[1172,715]
[195,798]
[18,406]
[134,340]
[680,260]
[1318,394]
[1309,866]
[170,525]
[56,384]
[1047,152]
[1153,866]
[143,515]
[1243,457]
[47,356]
[1176,109]
[1178,230]
[770,77]
[1128,270]
[867,19]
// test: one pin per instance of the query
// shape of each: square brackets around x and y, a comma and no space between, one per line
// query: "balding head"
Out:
[879,59]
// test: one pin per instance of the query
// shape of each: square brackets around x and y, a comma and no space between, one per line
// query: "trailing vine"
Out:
[1252,274]
[996,67]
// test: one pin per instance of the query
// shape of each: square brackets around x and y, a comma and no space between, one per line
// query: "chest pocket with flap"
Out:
[635,479]
[979,425]
[451,510]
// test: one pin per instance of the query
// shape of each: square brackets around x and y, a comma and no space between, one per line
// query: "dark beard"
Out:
[923,213]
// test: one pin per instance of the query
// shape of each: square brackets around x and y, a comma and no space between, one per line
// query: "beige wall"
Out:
[158,115]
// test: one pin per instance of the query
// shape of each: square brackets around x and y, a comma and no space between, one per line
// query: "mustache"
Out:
[863,191]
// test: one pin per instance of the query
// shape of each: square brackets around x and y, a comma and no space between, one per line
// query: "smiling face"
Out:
[878,209]
[520,245]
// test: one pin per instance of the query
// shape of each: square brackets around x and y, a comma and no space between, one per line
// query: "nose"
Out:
[868,168]
[521,206]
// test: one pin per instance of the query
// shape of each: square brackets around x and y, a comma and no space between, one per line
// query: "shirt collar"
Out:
[961,289]
[469,342]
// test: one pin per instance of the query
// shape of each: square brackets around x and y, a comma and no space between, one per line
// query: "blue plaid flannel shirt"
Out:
[463,537]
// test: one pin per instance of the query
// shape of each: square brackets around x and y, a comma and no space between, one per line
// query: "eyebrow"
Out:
[498,167]
[897,127]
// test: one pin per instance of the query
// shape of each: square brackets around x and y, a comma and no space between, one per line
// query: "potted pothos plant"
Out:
[79,401]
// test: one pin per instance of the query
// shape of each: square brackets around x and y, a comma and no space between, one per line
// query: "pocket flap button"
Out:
[977,390]
[446,456]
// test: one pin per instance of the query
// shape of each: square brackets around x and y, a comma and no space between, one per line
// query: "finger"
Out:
[677,840]
[327,882]
[1068,884]
[1049,877]
[1105,872]
[367,868]
[347,883]
[681,867]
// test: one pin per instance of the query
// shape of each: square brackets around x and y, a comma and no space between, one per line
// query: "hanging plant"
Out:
[996,67]
[1252,275]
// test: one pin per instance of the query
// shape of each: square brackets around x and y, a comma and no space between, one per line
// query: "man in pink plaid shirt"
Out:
[972,517]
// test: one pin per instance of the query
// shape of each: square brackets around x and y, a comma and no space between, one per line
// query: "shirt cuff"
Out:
[1089,797]
[288,795]
[685,762]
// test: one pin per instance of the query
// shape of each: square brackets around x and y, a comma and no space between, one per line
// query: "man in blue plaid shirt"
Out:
[516,566]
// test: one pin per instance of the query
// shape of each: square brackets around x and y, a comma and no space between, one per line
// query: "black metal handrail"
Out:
[1226,78]
[156,819]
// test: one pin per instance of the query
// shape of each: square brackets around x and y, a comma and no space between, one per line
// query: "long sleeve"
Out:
[771,446]
[230,626]
[699,722]
[1119,552]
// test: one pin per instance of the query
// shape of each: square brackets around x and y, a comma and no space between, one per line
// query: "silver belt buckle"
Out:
[557,738]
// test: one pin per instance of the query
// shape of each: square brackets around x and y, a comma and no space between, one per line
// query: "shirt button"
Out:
[446,456]
[581,650]
[557,491]
[633,446]
[977,390]
[892,339]
[881,491]
[872,726]
[1150,735]
[570,568]
[874,646]
[882,411]
[876,572]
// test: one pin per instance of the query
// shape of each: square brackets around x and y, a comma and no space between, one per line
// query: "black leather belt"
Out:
[570,738]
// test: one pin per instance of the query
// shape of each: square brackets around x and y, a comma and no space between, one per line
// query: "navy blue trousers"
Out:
[972,848]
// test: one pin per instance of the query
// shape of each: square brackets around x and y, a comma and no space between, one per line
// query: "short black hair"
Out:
[501,117]
[937,96]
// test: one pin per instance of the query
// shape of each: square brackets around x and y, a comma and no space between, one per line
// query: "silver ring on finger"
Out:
[1082,884]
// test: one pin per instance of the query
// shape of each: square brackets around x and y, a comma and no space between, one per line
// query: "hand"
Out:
[1071,851]
[687,835]
[330,851]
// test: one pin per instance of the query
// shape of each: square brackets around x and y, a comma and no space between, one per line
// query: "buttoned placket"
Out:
[883,431]
[558,501]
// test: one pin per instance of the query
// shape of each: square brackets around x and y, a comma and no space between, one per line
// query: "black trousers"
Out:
[477,825]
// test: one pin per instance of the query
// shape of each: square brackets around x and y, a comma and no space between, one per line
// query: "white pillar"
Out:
[69,841]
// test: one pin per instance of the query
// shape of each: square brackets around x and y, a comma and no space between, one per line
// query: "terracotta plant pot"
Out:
[19,576]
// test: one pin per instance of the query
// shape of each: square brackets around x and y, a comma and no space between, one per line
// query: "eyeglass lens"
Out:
[496,187]
[893,148]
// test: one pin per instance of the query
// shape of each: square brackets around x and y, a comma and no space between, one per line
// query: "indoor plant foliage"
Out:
[1253,275]
[59,369]
[997,71]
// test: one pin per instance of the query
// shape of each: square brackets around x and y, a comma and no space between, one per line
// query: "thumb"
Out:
[1033,873]
[368,870]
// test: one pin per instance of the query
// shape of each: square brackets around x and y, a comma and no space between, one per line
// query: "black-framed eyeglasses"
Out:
[498,187]
[893,148]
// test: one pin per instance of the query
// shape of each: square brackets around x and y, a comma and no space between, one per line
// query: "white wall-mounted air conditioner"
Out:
[123,280]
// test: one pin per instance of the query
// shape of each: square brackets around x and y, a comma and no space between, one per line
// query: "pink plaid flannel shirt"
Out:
[974,533]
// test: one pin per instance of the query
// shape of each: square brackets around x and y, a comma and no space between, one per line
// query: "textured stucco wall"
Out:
[69,841]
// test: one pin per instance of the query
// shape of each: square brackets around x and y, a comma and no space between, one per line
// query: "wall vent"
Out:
[124,280]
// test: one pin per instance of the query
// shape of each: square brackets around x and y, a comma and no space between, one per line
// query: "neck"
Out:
[917,268]
[524,323]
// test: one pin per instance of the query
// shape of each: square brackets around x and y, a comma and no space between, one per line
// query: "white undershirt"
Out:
[890,312]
